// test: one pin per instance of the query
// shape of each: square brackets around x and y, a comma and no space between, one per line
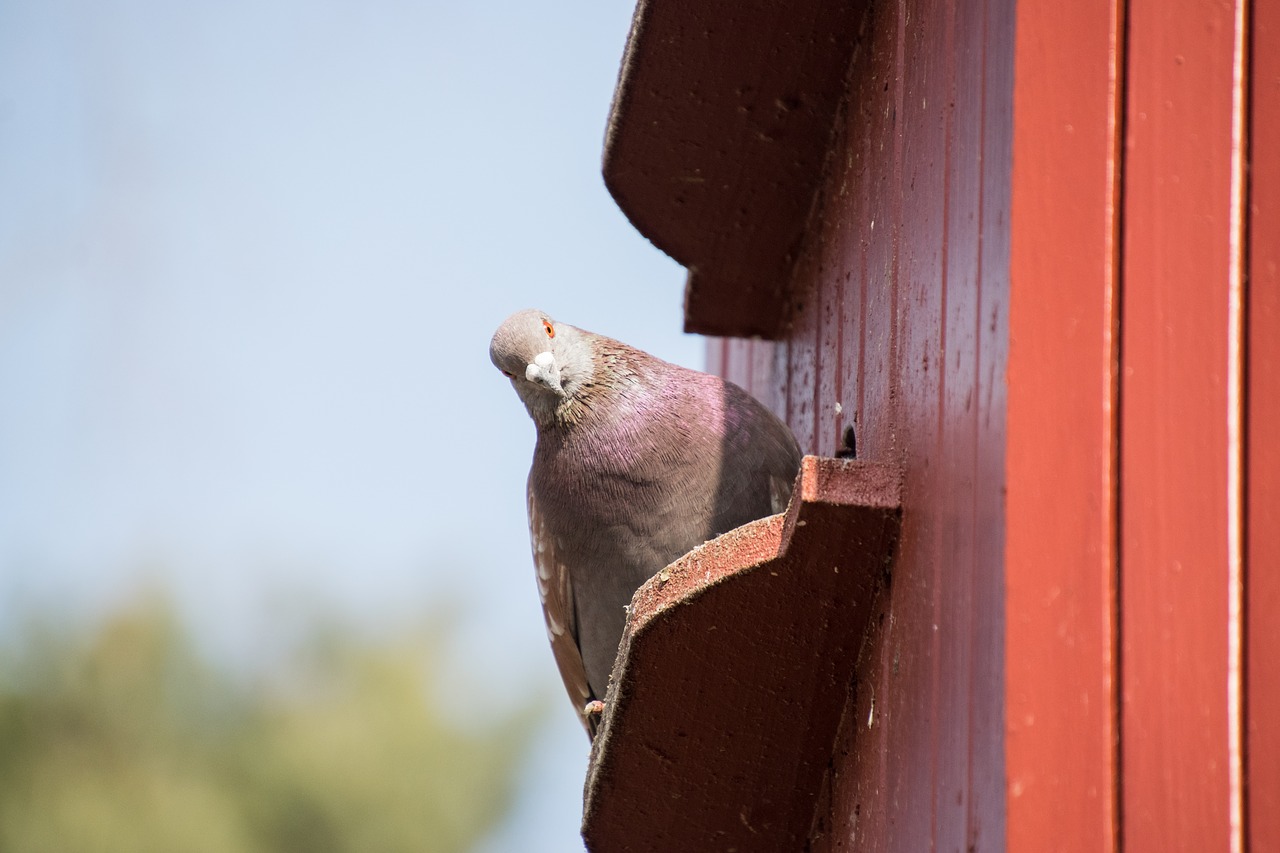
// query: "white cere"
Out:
[544,359]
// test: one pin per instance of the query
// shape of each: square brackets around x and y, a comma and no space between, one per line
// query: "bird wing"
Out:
[556,592]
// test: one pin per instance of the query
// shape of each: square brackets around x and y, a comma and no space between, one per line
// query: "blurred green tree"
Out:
[126,739]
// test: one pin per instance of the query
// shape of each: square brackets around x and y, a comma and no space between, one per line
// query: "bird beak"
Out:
[545,372]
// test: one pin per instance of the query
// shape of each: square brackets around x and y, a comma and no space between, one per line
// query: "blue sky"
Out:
[251,254]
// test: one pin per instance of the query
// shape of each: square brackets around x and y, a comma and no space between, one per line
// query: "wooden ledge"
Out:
[717,140]
[734,669]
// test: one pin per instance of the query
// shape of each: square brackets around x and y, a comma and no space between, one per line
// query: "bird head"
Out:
[546,361]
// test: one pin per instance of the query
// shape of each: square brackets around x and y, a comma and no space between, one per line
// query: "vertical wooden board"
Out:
[861,815]
[804,338]
[831,271]
[922,193]
[840,379]
[881,785]
[1262,478]
[856,805]
[1059,564]
[858,139]
[1179,791]
[956,595]
[878,86]
[779,356]
[828,261]
[768,379]
[736,362]
[802,361]
[906,701]
[715,348]
[987,822]
[913,693]
[761,368]
[923,289]
[875,759]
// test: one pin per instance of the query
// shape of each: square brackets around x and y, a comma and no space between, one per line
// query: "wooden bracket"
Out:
[717,140]
[733,671]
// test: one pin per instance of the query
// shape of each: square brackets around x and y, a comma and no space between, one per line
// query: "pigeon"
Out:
[637,461]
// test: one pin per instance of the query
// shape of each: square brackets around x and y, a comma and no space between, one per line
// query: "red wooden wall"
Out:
[1041,273]
[1077,649]
[1143,319]
[900,301]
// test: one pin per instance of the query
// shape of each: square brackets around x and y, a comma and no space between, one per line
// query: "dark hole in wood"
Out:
[849,444]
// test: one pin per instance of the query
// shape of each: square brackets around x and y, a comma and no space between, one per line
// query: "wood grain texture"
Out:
[1180,792]
[1061,569]
[899,307]
[1262,543]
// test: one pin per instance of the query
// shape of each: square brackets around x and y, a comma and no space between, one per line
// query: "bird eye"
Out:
[551,330]
[508,374]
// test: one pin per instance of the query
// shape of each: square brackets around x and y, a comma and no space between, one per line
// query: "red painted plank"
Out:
[1060,566]
[858,155]
[954,600]
[882,180]
[1262,543]
[906,701]
[928,689]
[851,238]
[876,809]
[1177,396]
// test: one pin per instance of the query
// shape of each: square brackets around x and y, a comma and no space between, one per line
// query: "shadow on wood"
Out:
[734,668]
